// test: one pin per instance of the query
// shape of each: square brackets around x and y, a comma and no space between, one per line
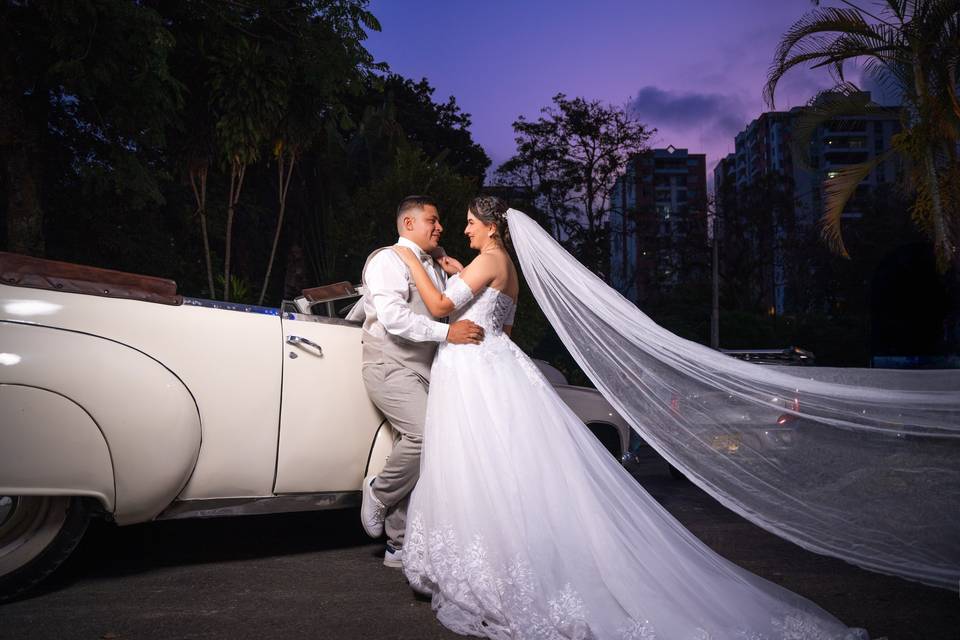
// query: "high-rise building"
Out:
[764,150]
[657,222]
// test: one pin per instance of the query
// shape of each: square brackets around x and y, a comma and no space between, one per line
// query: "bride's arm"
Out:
[476,275]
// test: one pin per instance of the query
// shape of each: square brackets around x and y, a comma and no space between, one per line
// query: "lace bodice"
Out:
[489,308]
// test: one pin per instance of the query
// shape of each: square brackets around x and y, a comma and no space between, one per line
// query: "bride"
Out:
[523,526]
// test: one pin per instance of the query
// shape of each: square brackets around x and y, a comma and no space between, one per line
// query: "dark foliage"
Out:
[147,136]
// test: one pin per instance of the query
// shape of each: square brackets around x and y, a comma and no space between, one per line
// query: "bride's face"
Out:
[478,232]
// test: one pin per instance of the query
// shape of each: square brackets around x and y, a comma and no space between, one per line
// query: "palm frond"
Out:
[935,18]
[894,79]
[807,40]
[912,48]
[837,193]
[898,8]
[884,43]
[950,84]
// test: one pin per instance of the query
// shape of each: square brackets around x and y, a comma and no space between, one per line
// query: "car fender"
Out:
[52,447]
[148,419]
[593,409]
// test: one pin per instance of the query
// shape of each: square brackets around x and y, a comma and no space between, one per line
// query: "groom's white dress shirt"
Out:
[388,283]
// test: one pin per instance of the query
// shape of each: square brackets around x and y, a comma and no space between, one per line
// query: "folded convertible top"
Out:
[38,273]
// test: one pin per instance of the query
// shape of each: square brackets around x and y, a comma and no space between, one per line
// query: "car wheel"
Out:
[608,437]
[37,533]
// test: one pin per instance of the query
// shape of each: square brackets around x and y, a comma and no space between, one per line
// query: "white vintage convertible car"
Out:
[121,399]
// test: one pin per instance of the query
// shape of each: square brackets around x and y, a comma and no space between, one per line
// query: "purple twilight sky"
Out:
[693,69]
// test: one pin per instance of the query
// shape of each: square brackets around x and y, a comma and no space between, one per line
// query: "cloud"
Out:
[715,115]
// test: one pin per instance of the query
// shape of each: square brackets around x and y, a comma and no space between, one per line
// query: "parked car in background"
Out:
[121,399]
[779,433]
[599,416]
[787,356]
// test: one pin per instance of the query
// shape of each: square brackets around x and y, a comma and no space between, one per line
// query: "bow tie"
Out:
[425,258]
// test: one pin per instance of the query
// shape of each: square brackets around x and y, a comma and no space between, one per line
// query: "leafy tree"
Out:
[327,65]
[86,82]
[353,188]
[748,222]
[437,128]
[247,92]
[394,141]
[263,78]
[570,158]
[280,94]
[913,48]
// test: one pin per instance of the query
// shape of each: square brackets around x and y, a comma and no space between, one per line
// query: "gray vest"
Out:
[380,346]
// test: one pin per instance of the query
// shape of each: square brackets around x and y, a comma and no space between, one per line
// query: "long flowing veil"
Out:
[860,464]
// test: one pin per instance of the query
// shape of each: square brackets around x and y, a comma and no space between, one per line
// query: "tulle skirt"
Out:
[523,526]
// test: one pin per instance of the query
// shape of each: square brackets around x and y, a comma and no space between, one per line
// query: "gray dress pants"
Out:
[401,395]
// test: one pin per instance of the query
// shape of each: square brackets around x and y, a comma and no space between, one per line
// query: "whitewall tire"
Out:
[37,533]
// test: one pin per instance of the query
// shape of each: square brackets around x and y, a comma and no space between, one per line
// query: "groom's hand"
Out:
[465,332]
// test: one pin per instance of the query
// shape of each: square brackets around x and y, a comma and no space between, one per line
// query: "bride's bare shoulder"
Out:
[482,271]
[484,261]
[505,276]
[495,264]
[513,286]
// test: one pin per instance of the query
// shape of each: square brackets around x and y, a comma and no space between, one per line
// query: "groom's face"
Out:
[422,226]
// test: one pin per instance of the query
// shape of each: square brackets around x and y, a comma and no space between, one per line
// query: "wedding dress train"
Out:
[523,526]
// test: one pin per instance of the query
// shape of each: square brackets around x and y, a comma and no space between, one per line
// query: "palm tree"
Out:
[912,47]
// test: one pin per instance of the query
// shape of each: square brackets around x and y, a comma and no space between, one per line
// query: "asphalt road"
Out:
[317,576]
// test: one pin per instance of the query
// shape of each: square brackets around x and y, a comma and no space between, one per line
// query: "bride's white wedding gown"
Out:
[523,526]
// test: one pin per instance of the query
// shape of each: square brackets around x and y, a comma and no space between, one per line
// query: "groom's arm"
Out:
[387,286]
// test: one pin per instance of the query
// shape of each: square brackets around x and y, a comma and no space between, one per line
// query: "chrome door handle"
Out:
[297,341]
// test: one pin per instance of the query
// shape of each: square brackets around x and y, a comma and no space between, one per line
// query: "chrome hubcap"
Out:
[28,524]
[8,504]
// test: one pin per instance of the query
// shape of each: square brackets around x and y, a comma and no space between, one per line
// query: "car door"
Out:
[327,422]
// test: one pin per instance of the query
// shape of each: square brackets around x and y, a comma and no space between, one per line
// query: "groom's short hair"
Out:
[413,202]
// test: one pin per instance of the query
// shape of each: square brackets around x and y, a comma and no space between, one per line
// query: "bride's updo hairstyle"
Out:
[492,210]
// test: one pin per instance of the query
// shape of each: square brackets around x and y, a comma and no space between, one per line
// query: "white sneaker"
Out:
[393,557]
[372,511]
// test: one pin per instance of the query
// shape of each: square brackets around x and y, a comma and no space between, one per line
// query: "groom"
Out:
[400,338]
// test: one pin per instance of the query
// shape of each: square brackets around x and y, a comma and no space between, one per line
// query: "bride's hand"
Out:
[451,266]
[406,255]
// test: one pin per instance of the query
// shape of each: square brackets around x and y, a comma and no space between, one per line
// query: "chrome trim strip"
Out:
[231,306]
[225,507]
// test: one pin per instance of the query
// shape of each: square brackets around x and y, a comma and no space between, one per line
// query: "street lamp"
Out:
[715,279]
